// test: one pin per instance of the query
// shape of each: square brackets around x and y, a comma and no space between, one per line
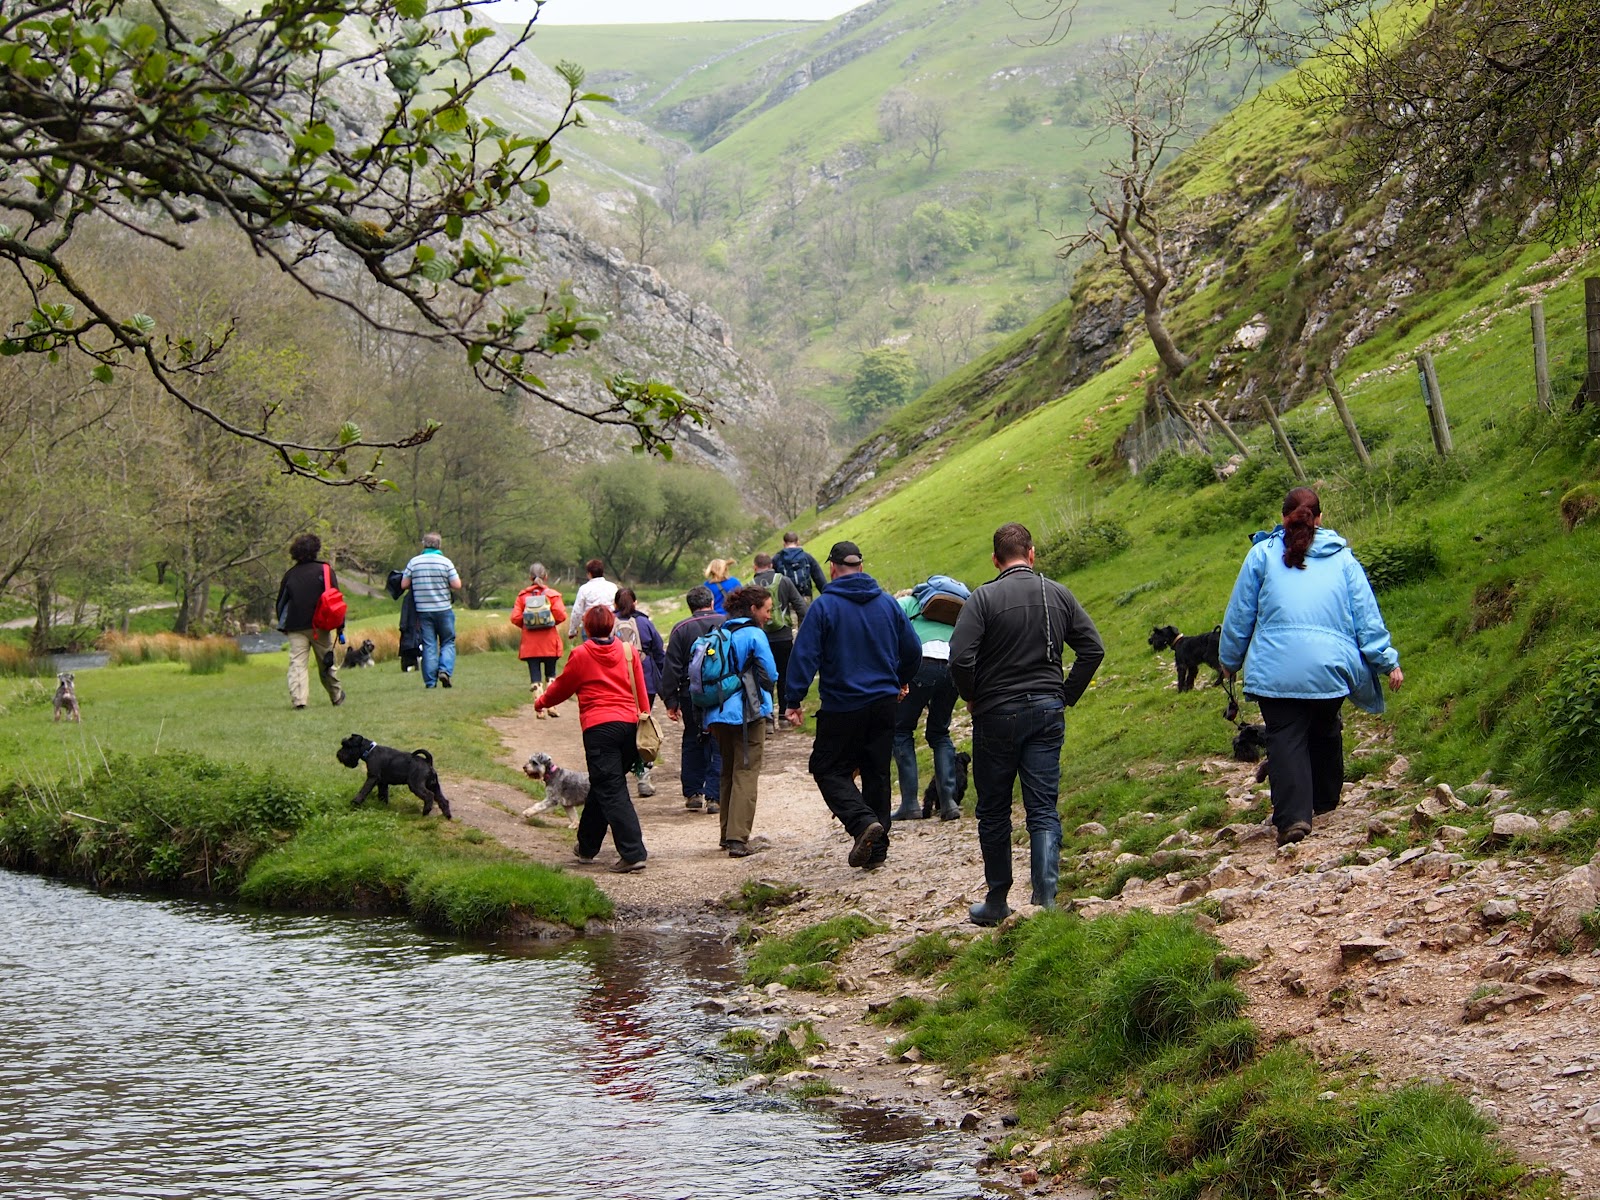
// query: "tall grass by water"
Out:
[182,822]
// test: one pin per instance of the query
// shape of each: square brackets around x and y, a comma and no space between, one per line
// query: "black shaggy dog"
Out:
[1190,653]
[930,798]
[1250,743]
[359,656]
[386,765]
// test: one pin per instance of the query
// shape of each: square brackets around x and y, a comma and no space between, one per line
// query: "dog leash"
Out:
[1231,713]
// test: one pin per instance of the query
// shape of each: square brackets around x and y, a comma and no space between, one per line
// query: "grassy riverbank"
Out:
[212,785]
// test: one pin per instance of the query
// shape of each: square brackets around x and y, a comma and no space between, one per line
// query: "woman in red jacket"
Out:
[541,631]
[599,674]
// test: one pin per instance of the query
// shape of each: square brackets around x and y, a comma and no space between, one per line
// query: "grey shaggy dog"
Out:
[66,698]
[562,788]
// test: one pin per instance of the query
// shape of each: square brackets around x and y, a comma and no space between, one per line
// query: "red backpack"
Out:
[331,608]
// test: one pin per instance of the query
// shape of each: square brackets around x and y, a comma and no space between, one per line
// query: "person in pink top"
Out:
[598,672]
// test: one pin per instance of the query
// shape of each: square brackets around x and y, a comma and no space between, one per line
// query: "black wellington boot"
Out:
[1046,866]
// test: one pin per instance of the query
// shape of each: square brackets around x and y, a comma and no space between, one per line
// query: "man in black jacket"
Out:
[1006,659]
[701,765]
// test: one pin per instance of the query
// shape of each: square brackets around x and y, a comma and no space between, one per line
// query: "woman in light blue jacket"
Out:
[739,723]
[1304,623]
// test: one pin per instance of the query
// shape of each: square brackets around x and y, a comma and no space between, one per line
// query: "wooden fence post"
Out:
[1541,357]
[1438,421]
[1591,326]
[1227,430]
[1349,422]
[1177,410]
[1283,439]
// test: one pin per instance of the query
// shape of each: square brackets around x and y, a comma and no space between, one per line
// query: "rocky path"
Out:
[1422,964]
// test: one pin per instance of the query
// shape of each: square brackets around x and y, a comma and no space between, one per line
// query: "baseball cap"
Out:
[846,554]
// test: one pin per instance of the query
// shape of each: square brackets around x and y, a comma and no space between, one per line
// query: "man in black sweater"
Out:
[1006,660]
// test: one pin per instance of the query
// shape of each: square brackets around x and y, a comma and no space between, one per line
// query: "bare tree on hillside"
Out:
[1465,107]
[930,126]
[645,225]
[1146,83]
[154,116]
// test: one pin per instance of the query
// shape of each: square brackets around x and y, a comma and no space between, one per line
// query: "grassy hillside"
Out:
[1496,637]
[805,205]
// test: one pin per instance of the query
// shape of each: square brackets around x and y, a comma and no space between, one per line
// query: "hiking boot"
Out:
[1297,832]
[444,678]
[737,849]
[694,803]
[623,867]
[861,852]
[712,806]
[991,912]
[585,859]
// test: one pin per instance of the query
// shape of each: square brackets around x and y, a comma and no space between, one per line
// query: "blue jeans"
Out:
[700,770]
[438,644]
[1022,739]
[934,690]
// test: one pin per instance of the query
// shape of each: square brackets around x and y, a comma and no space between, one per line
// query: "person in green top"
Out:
[933,690]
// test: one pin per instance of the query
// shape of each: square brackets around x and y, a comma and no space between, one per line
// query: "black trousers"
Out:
[1305,757]
[610,750]
[861,740]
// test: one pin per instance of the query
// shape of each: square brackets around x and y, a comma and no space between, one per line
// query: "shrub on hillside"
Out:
[1253,496]
[1571,707]
[1175,471]
[1081,542]
[1391,562]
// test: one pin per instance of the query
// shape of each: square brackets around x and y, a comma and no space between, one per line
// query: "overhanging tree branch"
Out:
[152,120]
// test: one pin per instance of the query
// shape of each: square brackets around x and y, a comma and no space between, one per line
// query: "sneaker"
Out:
[623,867]
[865,841]
[585,859]
[646,788]
[339,700]
[694,803]
[737,849]
[712,806]
[444,678]
[1294,833]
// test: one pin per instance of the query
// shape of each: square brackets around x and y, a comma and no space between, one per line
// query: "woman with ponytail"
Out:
[1304,624]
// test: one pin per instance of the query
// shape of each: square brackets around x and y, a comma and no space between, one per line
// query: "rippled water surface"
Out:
[165,1049]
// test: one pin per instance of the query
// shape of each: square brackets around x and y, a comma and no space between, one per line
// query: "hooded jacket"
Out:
[1312,634]
[752,658]
[861,643]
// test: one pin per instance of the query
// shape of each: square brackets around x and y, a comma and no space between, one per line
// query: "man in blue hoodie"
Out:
[862,650]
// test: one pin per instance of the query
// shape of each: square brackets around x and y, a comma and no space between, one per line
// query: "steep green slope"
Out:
[1495,639]
[888,178]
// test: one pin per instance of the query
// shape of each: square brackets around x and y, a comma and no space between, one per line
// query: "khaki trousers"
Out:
[738,780]
[303,643]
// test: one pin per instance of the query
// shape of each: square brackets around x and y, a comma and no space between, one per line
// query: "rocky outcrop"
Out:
[653,331]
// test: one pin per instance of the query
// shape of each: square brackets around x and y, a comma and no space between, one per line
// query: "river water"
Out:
[159,1048]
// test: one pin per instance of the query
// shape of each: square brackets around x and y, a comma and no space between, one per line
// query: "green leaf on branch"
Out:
[349,432]
[101,374]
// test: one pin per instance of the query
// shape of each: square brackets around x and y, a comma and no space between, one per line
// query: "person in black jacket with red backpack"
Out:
[298,594]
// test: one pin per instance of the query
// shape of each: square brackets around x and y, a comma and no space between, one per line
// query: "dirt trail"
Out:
[1370,958]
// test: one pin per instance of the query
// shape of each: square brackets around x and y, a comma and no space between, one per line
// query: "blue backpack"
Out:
[713,675]
[940,599]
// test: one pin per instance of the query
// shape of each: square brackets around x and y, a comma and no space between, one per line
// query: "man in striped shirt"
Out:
[431,577]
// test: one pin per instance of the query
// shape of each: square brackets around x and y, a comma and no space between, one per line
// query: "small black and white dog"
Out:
[1190,653]
[359,656]
[562,788]
[66,698]
[386,765]
[930,797]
